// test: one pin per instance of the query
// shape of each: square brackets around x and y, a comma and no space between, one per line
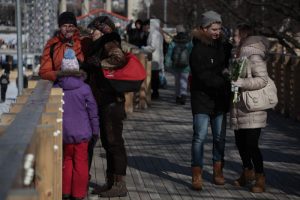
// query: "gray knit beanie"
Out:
[210,17]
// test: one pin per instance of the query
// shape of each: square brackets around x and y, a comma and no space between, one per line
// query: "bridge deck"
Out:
[158,143]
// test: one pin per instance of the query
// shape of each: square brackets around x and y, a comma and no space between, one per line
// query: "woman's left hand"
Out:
[239,82]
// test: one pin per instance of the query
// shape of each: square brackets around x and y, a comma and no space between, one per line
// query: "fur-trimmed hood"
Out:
[203,37]
[254,45]
[70,80]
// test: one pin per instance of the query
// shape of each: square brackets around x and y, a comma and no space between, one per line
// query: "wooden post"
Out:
[7,118]
[22,99]
[56,96]
[129,102]
[2,129]
[52,117]
[32,84]
[148,83]
[16,107]
[45,162]
[142,100]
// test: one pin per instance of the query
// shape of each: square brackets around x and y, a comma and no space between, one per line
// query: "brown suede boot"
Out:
[218,174]
[246,177]
[260,184]
[118,189]
[109,183]
[197,178]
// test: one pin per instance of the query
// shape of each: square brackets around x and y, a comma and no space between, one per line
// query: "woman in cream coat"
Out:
[247,125]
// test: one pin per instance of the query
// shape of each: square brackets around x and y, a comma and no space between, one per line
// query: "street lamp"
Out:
[148,4]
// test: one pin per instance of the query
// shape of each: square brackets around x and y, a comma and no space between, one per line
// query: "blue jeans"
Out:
[200,125]
[181,83]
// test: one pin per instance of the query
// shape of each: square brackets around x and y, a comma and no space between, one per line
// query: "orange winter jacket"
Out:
[48,70]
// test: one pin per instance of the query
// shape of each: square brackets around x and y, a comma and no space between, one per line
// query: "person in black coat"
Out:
[4,81]
[209,95]
[106,52]
[136,35]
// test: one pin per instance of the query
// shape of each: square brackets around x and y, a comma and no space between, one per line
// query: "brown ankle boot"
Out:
[246,177]
[109,183]
[218,174]
[118,189]
[259,186]
[197,178]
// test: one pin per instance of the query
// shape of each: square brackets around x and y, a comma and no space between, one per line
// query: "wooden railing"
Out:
[31,145]
[285,71]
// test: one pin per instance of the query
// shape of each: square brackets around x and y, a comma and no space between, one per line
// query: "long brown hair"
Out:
[245,30]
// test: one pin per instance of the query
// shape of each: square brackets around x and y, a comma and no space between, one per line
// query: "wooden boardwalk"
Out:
[158,143]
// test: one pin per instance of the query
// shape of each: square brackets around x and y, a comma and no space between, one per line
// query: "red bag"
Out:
[127,78]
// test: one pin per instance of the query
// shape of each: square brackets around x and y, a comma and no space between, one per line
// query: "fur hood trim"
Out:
[203,37]
[73,73]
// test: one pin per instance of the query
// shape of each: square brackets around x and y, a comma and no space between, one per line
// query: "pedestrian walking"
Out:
[209,99]
[4,81]
[155,47]
[80,125]
[247,124]
[106,52]
[177,59]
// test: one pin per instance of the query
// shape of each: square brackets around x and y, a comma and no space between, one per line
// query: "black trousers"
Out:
[3,91]
[111,127]
[247,143]
[155,81]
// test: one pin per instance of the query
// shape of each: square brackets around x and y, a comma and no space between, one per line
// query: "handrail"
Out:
[18,136]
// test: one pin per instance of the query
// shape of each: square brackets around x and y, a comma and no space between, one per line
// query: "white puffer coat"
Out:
[155,45]
[254,48]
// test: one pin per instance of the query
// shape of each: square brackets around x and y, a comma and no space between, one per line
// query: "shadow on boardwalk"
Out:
[158,143]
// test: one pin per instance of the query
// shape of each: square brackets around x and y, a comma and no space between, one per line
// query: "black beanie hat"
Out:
[96,23]
[67,18]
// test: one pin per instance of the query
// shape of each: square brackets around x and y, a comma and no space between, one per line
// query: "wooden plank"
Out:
[32,84]
[16,107]
[55,99]
[129,102]
[27,91]
[2,129]
[23,194]
[45,162]
[49,118]
[148,80]
[18,135]
[52,107]
[22,99]
[142,103]
[56,91]
[7,118]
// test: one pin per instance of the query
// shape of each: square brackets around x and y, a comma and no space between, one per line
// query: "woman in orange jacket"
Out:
[66,37]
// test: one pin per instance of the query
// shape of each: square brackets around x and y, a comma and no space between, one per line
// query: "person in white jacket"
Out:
[155,46]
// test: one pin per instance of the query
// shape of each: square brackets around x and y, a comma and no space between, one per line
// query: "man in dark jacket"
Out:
[136,35]
[106,52]
[208,95]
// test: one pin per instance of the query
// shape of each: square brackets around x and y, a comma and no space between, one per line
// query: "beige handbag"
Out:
[262,99]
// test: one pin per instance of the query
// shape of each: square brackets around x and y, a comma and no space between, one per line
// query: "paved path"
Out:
[158,143]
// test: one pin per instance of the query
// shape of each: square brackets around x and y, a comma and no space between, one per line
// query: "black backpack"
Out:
[180,56]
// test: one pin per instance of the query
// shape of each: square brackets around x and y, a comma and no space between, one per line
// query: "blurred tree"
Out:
[278,19]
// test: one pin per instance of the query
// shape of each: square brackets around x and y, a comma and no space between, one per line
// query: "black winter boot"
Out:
[109,183]
[118,189]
